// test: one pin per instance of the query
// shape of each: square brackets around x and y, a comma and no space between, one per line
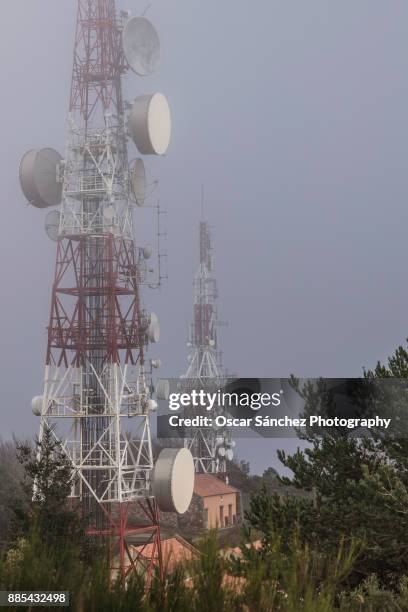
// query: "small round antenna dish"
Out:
[38,177]
[150,124]
[36,405]
[147,252]
[141,46]
[52,223]
[173,480]
[138,182]
[152,405]
[154,328]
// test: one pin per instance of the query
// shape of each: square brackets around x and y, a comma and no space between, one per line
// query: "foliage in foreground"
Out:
[358,487]
[48,481]
[283,577]
[299,579]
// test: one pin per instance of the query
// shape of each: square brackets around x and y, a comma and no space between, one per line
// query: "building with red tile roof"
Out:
[207,485]
[215,504]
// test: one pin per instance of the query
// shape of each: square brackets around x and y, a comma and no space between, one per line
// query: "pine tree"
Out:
[48,478]
[357,488]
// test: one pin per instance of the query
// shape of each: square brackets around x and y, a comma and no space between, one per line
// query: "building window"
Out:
[221,516]
[229,514]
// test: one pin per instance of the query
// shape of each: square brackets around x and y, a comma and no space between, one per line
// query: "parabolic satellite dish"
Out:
[173,480]
[229,454]
[38,177]
[147,252]
[36,405]
[153,331]
[52,223]
[150,124]
[138,182]
[141,46]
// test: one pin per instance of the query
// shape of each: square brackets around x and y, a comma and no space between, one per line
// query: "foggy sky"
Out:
[293,115]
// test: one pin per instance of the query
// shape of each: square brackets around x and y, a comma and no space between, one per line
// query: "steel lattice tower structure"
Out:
[205,361]
[96,396]
[205,368]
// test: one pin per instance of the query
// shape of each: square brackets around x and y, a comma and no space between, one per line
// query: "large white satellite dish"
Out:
[138,182]
[38,177]
[150,124]
[173,480]
[141,46]
[52,223]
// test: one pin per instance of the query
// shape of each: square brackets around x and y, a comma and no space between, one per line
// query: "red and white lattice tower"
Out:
[210,447]
[97,388]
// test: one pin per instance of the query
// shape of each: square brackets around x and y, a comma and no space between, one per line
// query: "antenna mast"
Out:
[210,448]
[97,389]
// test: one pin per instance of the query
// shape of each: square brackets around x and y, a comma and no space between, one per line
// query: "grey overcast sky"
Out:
[294,116]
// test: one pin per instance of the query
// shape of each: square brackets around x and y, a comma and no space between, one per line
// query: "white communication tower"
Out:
[211,447]
[97,398]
